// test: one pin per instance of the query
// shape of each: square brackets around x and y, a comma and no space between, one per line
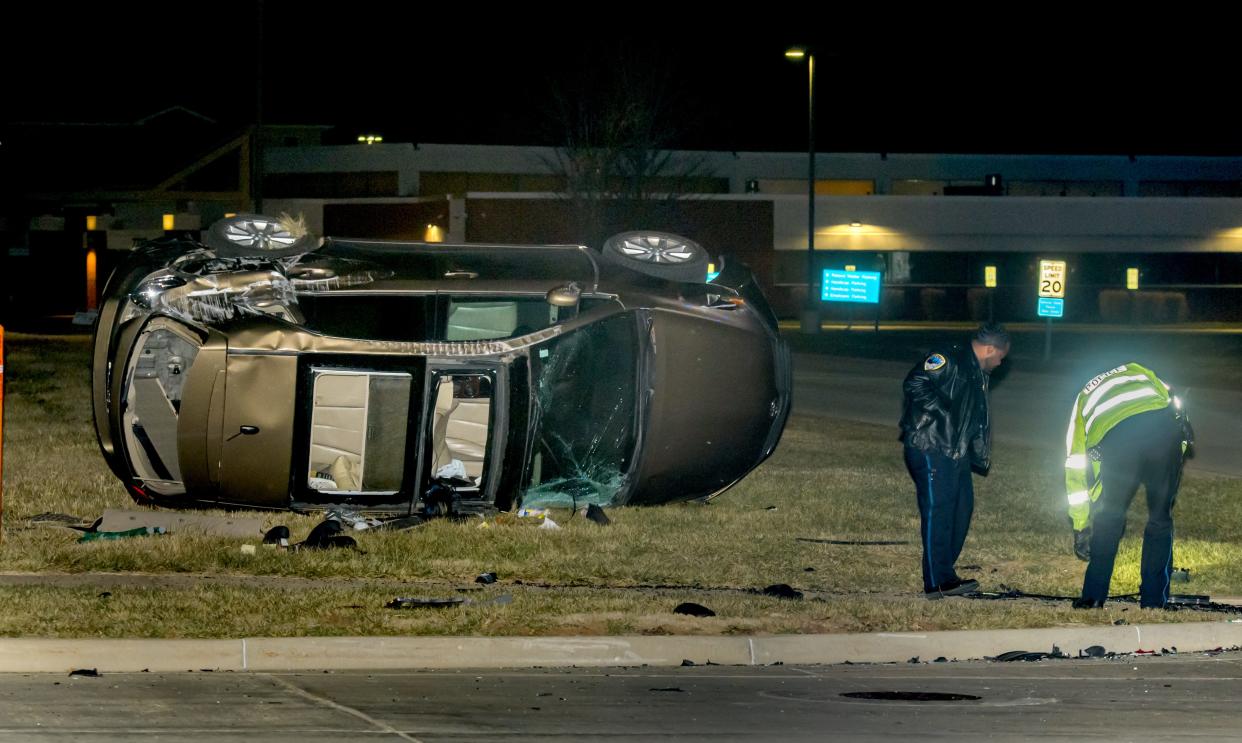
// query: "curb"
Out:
[30,655]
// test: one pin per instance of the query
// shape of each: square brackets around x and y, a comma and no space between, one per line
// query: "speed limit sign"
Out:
[1052,279]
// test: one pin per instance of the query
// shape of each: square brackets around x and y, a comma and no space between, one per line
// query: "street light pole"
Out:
[810,312]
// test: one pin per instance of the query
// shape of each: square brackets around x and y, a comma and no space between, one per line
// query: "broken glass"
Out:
[585,407]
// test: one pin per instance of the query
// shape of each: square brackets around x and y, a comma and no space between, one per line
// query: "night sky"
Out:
[398,70]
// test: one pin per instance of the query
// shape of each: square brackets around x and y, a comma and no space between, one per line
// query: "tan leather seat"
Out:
[467,433]
[440,454]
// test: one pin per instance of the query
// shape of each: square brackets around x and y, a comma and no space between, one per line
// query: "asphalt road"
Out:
[1028,407]
[1112,699]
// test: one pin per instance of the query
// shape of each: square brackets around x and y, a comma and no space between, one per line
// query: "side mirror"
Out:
[566,295]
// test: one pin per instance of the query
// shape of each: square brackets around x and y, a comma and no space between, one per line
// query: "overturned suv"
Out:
[266,367]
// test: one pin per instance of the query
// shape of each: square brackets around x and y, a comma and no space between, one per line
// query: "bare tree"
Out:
[615,158]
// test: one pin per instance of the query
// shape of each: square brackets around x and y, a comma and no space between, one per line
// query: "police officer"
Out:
[946,431]
[1126,428]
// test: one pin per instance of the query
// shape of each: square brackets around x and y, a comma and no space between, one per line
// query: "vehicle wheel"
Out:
[660,254]
[257,236]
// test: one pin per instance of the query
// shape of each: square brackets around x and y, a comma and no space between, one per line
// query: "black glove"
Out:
[1082,544]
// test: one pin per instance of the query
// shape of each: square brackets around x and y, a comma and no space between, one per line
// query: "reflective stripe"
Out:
[1108,405]
[1098,393]
[1076,462]
[1069,435]
[1078,498]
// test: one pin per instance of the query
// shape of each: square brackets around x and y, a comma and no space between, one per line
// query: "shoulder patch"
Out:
[934,362]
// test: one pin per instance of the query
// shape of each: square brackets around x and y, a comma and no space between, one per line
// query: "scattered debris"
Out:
[782,591]
[549,524]
[243,527]
[868,542]
[441,603]
[692,609]
[1025,655]
[910,696]
[1189,599]
[278,535]
[105,595]
[355,520]
[327,535]
[685,662]
[486,578]
[596,514]
[808,570]
[915,659]
[770,508]
[941,659]
[100,536]
[421,603]
[248,549]
[668,688]
[85,673]
[1180,575]
[402,523]
[1095,651]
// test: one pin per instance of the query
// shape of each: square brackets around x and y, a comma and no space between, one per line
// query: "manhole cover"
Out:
[910,696]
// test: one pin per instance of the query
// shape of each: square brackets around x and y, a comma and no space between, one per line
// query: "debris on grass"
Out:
[101,536]
[596,514]
[85,673]
[485,578]
[445,602]
[355,520]
[782,591]
[692,609]
[424,603]
[853,542]
[277,535]
[321,537]
[242,527]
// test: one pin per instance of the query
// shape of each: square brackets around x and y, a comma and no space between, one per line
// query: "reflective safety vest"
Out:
[1105,401]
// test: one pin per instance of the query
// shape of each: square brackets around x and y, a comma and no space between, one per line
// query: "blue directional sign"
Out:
[851,286]
[1049,307]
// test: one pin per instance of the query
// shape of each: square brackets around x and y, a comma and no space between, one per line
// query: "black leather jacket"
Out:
[946,407]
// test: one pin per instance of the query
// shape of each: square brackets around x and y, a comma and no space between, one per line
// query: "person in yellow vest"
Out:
[1126,428]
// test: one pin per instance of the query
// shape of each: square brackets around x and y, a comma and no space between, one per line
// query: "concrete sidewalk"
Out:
[28,655]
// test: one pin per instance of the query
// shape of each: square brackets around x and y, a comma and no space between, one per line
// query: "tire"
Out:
[256,236]
[659,254]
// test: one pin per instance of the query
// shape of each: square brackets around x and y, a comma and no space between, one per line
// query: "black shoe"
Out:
[1086,603]
[955,587]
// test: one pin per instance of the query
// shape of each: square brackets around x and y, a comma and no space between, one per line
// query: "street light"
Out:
[810,313]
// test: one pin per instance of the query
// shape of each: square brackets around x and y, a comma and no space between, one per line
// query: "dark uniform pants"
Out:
[946,498]
[1142,449]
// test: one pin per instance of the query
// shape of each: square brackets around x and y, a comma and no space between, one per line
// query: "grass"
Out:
[829,479]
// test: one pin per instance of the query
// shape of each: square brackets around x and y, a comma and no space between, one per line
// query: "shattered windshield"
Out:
[585,408]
